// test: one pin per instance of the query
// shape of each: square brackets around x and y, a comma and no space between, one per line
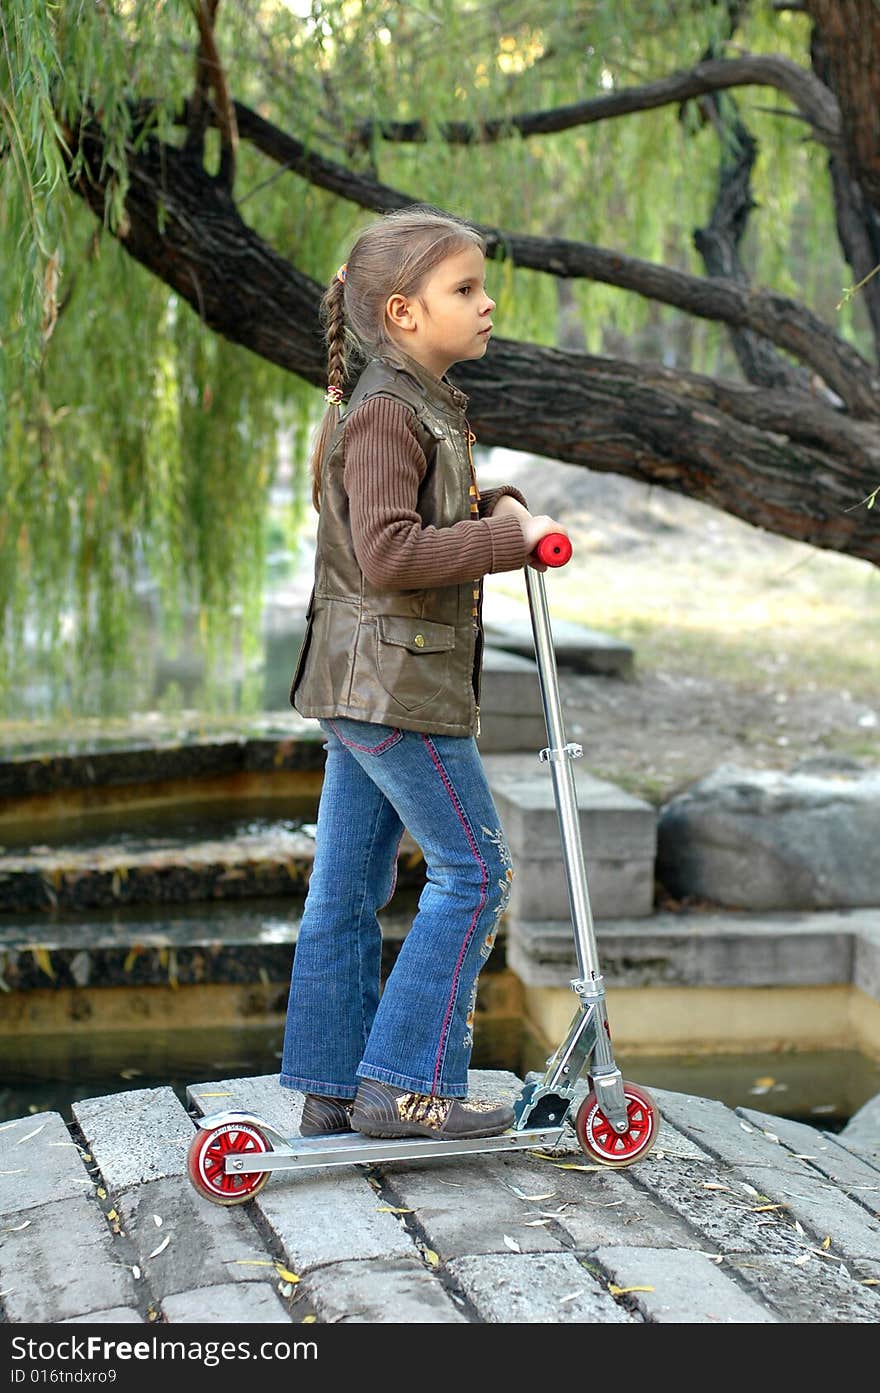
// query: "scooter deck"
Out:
[314,1153]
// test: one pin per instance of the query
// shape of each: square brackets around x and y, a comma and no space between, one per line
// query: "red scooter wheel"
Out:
[206,1156]
[598,1139]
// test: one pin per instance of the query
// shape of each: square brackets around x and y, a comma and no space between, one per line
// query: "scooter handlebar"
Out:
[553,550]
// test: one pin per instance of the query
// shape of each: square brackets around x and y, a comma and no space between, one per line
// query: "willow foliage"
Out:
[137,450]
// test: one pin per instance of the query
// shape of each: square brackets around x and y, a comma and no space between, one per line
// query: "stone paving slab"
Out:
[730,1218]
[853,1175]
[197,1244]
[136,1136]
[117,1315]
[400,1290]
[863,1130]
[533,1288]
[39,1163]
[778,1176]
[63,1263]
[232,1303]
[682,1287]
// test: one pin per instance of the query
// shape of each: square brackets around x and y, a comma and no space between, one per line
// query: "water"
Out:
[52,1072]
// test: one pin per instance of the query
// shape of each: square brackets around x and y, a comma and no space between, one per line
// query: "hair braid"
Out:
[333,315]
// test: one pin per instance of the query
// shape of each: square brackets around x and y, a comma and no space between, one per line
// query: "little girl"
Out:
[390,667]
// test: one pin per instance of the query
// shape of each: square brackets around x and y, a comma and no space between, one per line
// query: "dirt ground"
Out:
[749,649]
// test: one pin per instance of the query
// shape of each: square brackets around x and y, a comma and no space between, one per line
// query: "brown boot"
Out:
[321,1115]
[383,1110]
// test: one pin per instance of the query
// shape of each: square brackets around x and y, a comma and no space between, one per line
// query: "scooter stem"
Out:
[559,755]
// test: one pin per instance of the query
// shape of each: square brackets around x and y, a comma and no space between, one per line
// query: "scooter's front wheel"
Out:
[598,1139]
[206,1157]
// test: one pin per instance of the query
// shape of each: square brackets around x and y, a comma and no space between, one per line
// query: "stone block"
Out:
[535,1288]
[61,1260]
[233,1303]
[681,1287]
[136,1136]
[40,1162]
[863,1129]
[397,1291]
[576,647]
[511,713]
[695,950]
[764,839]
[618,841]
[196,1242]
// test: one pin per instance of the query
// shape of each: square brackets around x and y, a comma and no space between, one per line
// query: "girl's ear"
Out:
[399,313]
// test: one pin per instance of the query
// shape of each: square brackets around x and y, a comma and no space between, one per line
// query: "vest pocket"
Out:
[412,658]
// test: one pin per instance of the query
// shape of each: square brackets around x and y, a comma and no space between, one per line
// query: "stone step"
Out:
[618,837]
[151,748]
[185,945]
[576,647]
[270,860]
[707,949]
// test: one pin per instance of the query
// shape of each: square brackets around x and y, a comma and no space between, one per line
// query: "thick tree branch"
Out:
[791,326]
[858,223]
[779,460]
[850,32]
[719,243]
[812,98]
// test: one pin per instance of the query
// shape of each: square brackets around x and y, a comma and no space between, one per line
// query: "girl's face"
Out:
[448,321]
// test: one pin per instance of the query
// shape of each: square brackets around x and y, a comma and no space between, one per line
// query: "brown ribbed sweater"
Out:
[383,467]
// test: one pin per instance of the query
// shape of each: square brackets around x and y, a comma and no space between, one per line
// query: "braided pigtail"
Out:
[333,315]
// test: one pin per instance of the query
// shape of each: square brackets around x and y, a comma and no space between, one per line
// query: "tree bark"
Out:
[781,460]
[850,32]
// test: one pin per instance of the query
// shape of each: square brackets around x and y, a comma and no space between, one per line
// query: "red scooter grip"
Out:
[554,549]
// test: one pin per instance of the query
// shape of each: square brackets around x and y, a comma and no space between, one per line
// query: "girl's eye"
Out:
[465,289]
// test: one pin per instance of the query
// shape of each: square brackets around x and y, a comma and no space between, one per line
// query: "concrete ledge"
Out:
[575,646]
[704,949]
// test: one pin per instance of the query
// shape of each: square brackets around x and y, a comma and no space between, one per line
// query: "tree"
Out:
[682,200]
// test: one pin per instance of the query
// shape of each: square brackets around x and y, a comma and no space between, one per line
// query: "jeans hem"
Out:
[423,1086]
[318,1086]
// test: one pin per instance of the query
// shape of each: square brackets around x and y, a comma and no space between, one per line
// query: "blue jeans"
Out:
[418,1035]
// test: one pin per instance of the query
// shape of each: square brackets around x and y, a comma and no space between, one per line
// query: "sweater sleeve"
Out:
[384,465]
[490,497]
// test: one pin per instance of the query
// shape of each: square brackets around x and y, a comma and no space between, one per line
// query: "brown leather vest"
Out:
[406,658]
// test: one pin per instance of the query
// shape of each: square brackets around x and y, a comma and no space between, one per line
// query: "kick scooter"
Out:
[233,1154]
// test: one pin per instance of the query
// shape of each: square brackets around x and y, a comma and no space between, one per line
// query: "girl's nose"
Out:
[489,305]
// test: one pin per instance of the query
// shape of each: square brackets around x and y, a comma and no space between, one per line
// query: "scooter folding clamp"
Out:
[570,751]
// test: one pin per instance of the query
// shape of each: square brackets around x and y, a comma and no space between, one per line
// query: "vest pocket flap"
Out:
[416,635]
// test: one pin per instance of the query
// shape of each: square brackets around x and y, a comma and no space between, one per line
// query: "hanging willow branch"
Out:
[210,75]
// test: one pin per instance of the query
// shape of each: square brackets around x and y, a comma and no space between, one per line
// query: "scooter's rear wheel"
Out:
[598,1139]
[207,1154]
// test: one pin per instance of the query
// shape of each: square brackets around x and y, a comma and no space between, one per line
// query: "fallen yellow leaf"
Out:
[431,1257]
[309,1320]
[826,1242]
[623,1291]
[392,1209]
[284,1274]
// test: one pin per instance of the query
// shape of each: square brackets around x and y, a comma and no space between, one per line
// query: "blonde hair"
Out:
[391,256]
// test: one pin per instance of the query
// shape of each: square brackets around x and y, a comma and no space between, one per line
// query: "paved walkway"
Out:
[736,1216]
